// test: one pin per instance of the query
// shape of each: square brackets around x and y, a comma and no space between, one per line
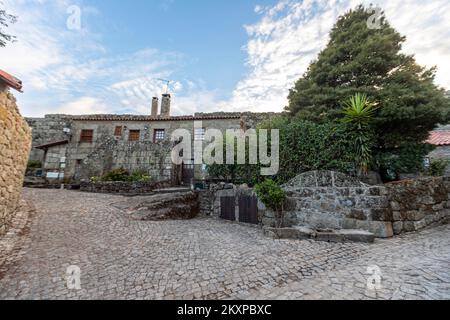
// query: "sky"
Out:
[108,56]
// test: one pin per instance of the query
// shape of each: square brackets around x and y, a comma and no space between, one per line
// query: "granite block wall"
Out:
[15,143]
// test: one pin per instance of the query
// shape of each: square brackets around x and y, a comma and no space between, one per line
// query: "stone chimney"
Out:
[155,104]
[165,105]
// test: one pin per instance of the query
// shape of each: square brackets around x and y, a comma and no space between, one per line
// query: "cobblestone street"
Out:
[205,258]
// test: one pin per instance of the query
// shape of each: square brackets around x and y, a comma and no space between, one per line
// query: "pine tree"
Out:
[359,59]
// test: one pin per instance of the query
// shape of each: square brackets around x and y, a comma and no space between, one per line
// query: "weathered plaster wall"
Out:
[15,142]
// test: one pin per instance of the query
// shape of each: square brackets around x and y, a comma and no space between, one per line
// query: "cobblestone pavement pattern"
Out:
[206,258]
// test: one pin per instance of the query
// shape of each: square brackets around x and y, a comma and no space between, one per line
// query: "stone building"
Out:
[440,138]
[81,147]
[15,143]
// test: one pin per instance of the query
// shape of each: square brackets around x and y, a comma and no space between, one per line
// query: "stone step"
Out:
[300,232]
[172,190]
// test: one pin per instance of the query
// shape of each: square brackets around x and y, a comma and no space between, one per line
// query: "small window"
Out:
[118,131]
[87,136]
[159,135]
[199,133]
[134,135]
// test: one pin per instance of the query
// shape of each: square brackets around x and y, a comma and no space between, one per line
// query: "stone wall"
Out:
[119,187]
[107,151]
[332,200]
[326,200]
[47,129]
[15,142]
[418,203]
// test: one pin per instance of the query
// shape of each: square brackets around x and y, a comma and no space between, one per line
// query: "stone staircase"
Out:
[170,205]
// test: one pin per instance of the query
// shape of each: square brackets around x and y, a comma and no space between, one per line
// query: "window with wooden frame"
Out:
[87,136]
[159,135]
[118,131]
[199,134]
[134,135]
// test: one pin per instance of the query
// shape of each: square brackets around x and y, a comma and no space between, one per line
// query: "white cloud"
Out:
[82,106]
[290,34]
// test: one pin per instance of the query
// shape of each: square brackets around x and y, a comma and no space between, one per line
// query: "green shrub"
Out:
[438,167]
[407,158]
[34,164]
[117,175]
[123,175]
[139,176]
[271,194]
[304,146]
[307,146]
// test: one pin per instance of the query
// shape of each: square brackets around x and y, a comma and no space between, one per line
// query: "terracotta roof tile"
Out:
[11,81]
[439,138]
[113,117]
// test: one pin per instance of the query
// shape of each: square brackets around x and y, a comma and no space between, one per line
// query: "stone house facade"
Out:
[81,147]
[440,138]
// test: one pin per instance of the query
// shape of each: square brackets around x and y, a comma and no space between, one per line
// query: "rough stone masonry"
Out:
[15,144]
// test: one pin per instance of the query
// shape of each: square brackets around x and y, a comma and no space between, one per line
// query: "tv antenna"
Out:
[167,82]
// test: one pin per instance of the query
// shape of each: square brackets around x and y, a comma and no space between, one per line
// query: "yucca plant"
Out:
[358,114]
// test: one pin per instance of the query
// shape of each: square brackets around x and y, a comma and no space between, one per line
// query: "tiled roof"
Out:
[11,81]
[52,144]
[113,117]
[439,138]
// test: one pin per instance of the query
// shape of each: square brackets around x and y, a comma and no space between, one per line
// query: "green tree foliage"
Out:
[5,20]
[306,146]
[236,173]
[370,61]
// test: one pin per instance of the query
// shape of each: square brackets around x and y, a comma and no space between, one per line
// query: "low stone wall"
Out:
[123,187]
[418,203]
[331,200]
[324,200]
[15,143]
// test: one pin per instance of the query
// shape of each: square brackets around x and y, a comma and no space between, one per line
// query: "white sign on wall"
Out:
[52,175]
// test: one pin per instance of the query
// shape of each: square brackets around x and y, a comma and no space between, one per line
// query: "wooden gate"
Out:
[187,173]
[227,208]
[248,209]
